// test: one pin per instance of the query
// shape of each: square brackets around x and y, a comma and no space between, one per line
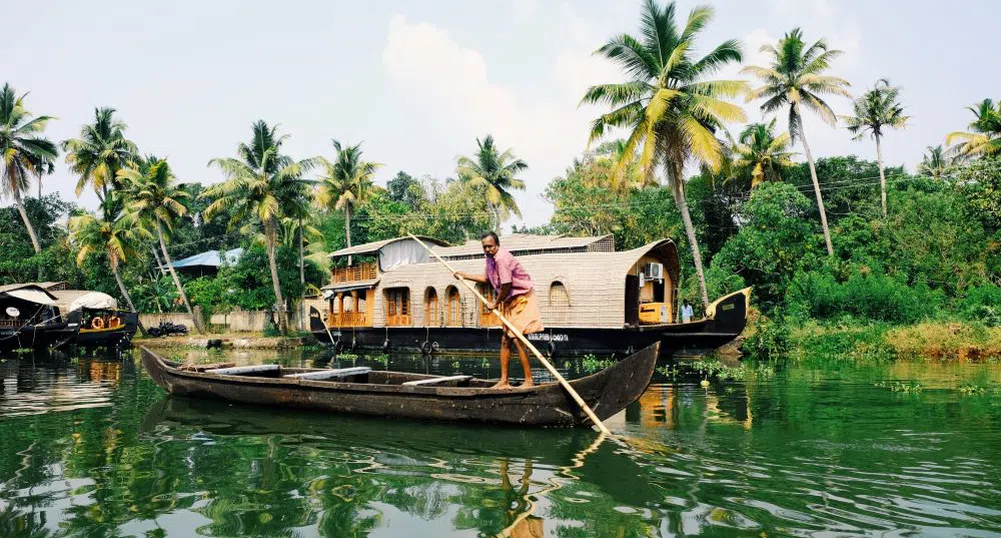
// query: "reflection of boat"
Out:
[408,395]
[592,299]
[29,318]
[101,322]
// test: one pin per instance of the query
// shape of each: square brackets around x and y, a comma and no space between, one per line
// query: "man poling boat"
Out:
[524,341]
[515,298]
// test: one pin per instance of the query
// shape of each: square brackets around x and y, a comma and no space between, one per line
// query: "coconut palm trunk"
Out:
[125,293]
[270,236]
[816,190]
[177,281]
[882,174]
[678,189]
[302,281]
[27,223]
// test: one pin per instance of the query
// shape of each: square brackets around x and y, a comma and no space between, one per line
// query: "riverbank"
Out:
[227,341]
[938,341]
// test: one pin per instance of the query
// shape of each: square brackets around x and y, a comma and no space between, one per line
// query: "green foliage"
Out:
[770,339]
[982,304]
[980,185]
[865,295]
[776,240]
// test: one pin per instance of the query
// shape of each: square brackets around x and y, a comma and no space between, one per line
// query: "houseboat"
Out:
[102,323]
[593,299]
[29,319]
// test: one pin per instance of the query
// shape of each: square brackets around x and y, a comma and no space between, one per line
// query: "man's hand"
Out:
[459,275]
[491,305]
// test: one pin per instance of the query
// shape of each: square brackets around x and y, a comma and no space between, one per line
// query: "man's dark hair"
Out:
[491,234]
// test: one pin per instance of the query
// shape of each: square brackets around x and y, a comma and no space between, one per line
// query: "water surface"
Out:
[90,447]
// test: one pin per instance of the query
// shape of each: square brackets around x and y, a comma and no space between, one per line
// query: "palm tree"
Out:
[259,184]
[344,182]
[795,78]
[25,152]
[876,110]
[97,156]
[495,172]
[935,162]
[151,192]
[984,137]
[669,103]
[765,154]
[117,238]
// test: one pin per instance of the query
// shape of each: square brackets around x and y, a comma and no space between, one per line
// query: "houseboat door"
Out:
[632,300]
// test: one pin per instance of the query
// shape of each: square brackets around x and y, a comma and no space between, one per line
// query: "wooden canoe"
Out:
[394,394]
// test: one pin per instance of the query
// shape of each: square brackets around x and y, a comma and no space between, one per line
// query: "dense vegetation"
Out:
[836,239]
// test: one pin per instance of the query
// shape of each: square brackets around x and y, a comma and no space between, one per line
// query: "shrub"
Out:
[982,304]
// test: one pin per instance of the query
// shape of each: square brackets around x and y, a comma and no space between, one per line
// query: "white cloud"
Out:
[452,84]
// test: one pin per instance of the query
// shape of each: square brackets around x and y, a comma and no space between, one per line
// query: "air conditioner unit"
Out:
[654,271]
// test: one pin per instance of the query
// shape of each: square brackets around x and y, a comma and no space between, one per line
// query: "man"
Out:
[686,312]
[515,300]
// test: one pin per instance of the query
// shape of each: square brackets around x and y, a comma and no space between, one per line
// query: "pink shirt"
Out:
[503,268]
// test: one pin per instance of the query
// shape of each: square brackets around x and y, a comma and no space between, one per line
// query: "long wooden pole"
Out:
[573,393]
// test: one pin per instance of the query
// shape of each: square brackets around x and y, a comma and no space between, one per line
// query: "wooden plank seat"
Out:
[330,374]
[436,380]
[240,370]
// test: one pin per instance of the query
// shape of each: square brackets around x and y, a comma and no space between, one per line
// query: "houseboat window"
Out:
[454,318]
[431,314]
[398,306]
[559,297]
[558,306]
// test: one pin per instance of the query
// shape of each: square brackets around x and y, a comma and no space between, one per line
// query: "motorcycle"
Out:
[166,328]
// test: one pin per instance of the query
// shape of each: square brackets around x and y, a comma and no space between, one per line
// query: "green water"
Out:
[90,447]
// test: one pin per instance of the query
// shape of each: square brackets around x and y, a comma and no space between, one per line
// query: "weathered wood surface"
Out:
[383,393]
[438,380]
[203,367]
[242,370]
[330,374]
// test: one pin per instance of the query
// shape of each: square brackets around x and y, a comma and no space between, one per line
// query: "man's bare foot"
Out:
[502,385]
[527,384]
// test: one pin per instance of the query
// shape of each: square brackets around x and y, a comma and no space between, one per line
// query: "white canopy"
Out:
[70,300]
[32,296]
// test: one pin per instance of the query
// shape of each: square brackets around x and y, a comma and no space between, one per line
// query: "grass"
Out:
[858,342]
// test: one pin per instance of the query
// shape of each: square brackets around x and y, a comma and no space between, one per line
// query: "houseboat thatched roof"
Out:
[376,246]
[594,283]
[528,244]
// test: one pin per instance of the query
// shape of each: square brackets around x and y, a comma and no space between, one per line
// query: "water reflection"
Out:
[90,447]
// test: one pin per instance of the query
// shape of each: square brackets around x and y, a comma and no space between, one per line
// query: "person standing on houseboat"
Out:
[687,312]
[515,300]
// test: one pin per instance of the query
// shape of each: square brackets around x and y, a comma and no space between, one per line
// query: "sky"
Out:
[418,82]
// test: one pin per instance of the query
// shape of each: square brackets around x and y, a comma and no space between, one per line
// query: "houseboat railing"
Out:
[363,271]
[348,319]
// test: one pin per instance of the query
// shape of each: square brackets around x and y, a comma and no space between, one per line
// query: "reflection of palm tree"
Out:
[16,524]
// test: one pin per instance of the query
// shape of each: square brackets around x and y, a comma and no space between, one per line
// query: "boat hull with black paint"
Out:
[413,396]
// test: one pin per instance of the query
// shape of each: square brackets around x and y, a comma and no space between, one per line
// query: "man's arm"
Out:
[502,296]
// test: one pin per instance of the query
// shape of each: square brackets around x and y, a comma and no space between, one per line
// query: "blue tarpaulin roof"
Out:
[209,259]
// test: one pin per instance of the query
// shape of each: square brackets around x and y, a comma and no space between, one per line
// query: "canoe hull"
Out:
[381,394]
